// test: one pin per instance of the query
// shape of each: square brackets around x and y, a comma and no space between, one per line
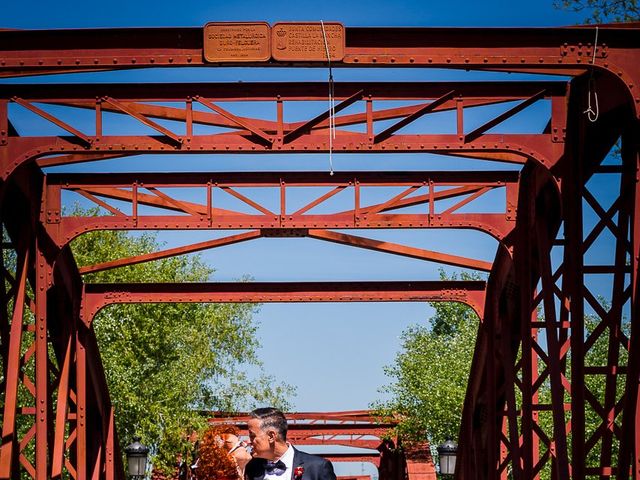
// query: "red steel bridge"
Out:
[531,408]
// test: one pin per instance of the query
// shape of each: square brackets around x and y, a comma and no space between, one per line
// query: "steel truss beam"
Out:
[244,134]
[98,295]
[564,51]
[554,384]
[420,188]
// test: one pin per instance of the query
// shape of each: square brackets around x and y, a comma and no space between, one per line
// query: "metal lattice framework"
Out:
[539,401]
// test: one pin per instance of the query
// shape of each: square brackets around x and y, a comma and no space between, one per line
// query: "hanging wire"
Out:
[332,106]
[593,113]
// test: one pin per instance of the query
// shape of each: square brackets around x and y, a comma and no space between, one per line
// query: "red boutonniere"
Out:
[297,473]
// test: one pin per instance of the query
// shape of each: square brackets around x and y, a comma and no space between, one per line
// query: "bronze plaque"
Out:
[237,42]
[307,41]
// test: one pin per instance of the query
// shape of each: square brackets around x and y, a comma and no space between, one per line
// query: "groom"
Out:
[276,459]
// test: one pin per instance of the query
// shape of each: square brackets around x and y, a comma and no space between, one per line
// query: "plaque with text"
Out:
[307,41]
[237,42]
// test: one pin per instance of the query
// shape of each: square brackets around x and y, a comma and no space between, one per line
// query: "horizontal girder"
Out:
[254,135]
[97,296]
[276,179]
[513,148]
[420,188]
[265,91]
[31,52]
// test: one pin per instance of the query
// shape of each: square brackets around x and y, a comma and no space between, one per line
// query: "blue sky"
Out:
[333,353]
[143,13]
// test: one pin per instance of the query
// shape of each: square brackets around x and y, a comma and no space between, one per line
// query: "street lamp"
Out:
[447,454]
[137,458]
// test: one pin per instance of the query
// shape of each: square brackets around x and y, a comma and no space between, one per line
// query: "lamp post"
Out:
[447,455]
[137,458]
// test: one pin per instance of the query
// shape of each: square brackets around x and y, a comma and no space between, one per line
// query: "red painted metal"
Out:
[9,433]
[246,134]
[542,322]
[468,186]
[389,247]
[97,296]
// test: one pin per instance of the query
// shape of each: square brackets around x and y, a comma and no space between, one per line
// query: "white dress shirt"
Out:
[287,459]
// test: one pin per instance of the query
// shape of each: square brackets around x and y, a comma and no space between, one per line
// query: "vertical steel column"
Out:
[57,460]
[523,272]
[495,415]
[555,355]
[538,214]
[614,320]
[629,454]
[508,364]
[572,289]
[9,450]
[529,395]
[43,407]
[111,448]
[81,402]
[4,319]
[4,129]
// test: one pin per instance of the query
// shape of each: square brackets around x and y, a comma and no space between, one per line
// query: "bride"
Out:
[222,454]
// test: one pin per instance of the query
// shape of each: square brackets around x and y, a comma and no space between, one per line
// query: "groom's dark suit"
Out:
[315,468]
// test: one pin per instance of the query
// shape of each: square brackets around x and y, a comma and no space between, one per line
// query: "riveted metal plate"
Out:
[237,42]
[308,41]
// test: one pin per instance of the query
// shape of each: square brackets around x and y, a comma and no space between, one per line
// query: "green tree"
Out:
[603,11]
[431,371]
[165,363]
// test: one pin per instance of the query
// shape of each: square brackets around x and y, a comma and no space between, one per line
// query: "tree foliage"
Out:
[603,11]
[431,371]
[166,362]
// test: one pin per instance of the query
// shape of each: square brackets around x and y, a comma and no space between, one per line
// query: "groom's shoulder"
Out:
[309,458]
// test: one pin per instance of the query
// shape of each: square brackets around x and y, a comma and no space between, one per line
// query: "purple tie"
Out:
[275,468]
